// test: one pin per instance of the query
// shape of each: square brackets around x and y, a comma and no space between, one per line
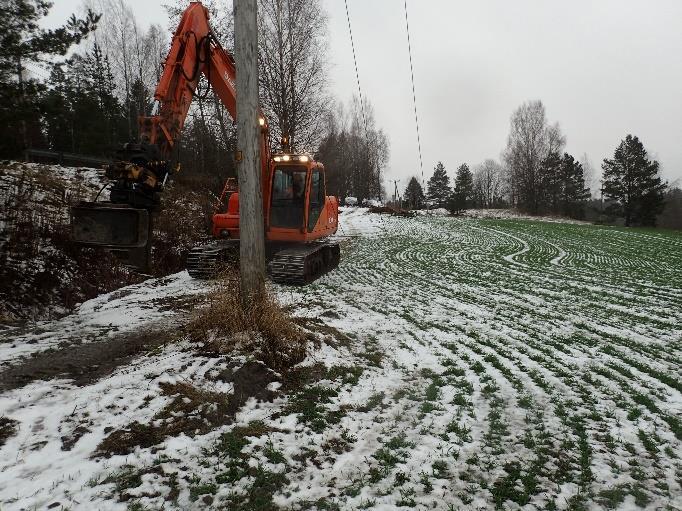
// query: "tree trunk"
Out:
[22,106]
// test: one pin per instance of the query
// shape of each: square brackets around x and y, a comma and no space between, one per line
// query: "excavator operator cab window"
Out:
[288,197]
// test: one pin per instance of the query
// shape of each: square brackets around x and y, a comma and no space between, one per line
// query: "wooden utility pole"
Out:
[396,193]
[251,231]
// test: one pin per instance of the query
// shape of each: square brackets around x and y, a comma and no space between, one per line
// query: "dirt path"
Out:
[101,335]
[85,363]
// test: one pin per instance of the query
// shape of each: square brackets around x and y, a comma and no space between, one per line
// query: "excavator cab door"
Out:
[317,197]
[287,205]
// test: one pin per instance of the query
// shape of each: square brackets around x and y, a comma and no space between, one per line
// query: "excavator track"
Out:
[207,261]
[297,265]
[303,264]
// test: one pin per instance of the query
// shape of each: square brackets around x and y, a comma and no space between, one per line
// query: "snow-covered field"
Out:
[509,214]
[461,364]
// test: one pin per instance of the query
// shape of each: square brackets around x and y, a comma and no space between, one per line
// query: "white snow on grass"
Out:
[462,364]
[510,214]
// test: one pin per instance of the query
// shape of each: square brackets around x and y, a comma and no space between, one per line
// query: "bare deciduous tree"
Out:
[292,55]
[117,35]
[531,140]
[590,175]
[136,56]
[488,184]
[355,153]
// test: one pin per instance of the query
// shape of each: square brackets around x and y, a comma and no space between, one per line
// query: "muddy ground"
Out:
[84,363]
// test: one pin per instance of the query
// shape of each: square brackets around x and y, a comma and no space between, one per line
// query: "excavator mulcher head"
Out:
[122,229]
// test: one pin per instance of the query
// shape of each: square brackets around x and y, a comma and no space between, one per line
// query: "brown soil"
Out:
[333,335]
[8,428]
[68,441]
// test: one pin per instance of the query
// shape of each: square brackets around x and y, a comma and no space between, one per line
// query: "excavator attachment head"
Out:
[119,228]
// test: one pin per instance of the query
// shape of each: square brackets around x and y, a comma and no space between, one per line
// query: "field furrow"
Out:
[558,368]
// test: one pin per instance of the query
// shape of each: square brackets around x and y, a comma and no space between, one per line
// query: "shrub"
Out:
[261,328]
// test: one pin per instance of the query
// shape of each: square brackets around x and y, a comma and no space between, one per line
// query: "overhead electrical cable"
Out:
[414,95]
[357,74]
[362,103]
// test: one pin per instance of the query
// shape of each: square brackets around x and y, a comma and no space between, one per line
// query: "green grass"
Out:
[550,336]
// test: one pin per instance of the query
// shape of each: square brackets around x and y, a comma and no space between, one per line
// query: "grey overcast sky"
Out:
[602,68]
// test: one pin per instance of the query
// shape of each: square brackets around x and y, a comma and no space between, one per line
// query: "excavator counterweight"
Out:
[299,216]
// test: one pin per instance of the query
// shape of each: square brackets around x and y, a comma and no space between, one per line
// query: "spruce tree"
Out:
[632,182]
[573,194]
[438,186]
[550,183]
[24,45]
[141,102]
[463,195]
[58,118]
[81,113]
[414,194]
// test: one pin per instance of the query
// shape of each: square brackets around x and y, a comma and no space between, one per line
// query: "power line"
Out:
[396,193]
[362,103]
[414,95]
[357,74]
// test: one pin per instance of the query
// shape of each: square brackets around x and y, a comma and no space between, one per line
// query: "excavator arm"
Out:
[124,224]
[194,50]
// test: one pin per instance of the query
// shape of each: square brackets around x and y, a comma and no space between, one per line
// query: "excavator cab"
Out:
[295,203]
[298,199]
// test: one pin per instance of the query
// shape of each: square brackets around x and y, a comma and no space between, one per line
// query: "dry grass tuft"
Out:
[262,328]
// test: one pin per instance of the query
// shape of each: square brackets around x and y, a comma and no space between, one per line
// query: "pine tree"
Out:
[463,195]
[438,186]
[414,194]
[632,181]
[23,45]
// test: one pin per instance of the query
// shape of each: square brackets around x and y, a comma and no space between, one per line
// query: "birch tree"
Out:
[531,140]
[488,184]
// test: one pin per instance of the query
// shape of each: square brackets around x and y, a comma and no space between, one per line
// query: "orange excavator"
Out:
[299,216]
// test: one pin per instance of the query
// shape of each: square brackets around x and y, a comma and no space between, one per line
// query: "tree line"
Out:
[356,151]
[89,102]
[537,176]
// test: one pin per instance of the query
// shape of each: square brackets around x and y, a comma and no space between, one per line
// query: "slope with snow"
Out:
[42,274]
